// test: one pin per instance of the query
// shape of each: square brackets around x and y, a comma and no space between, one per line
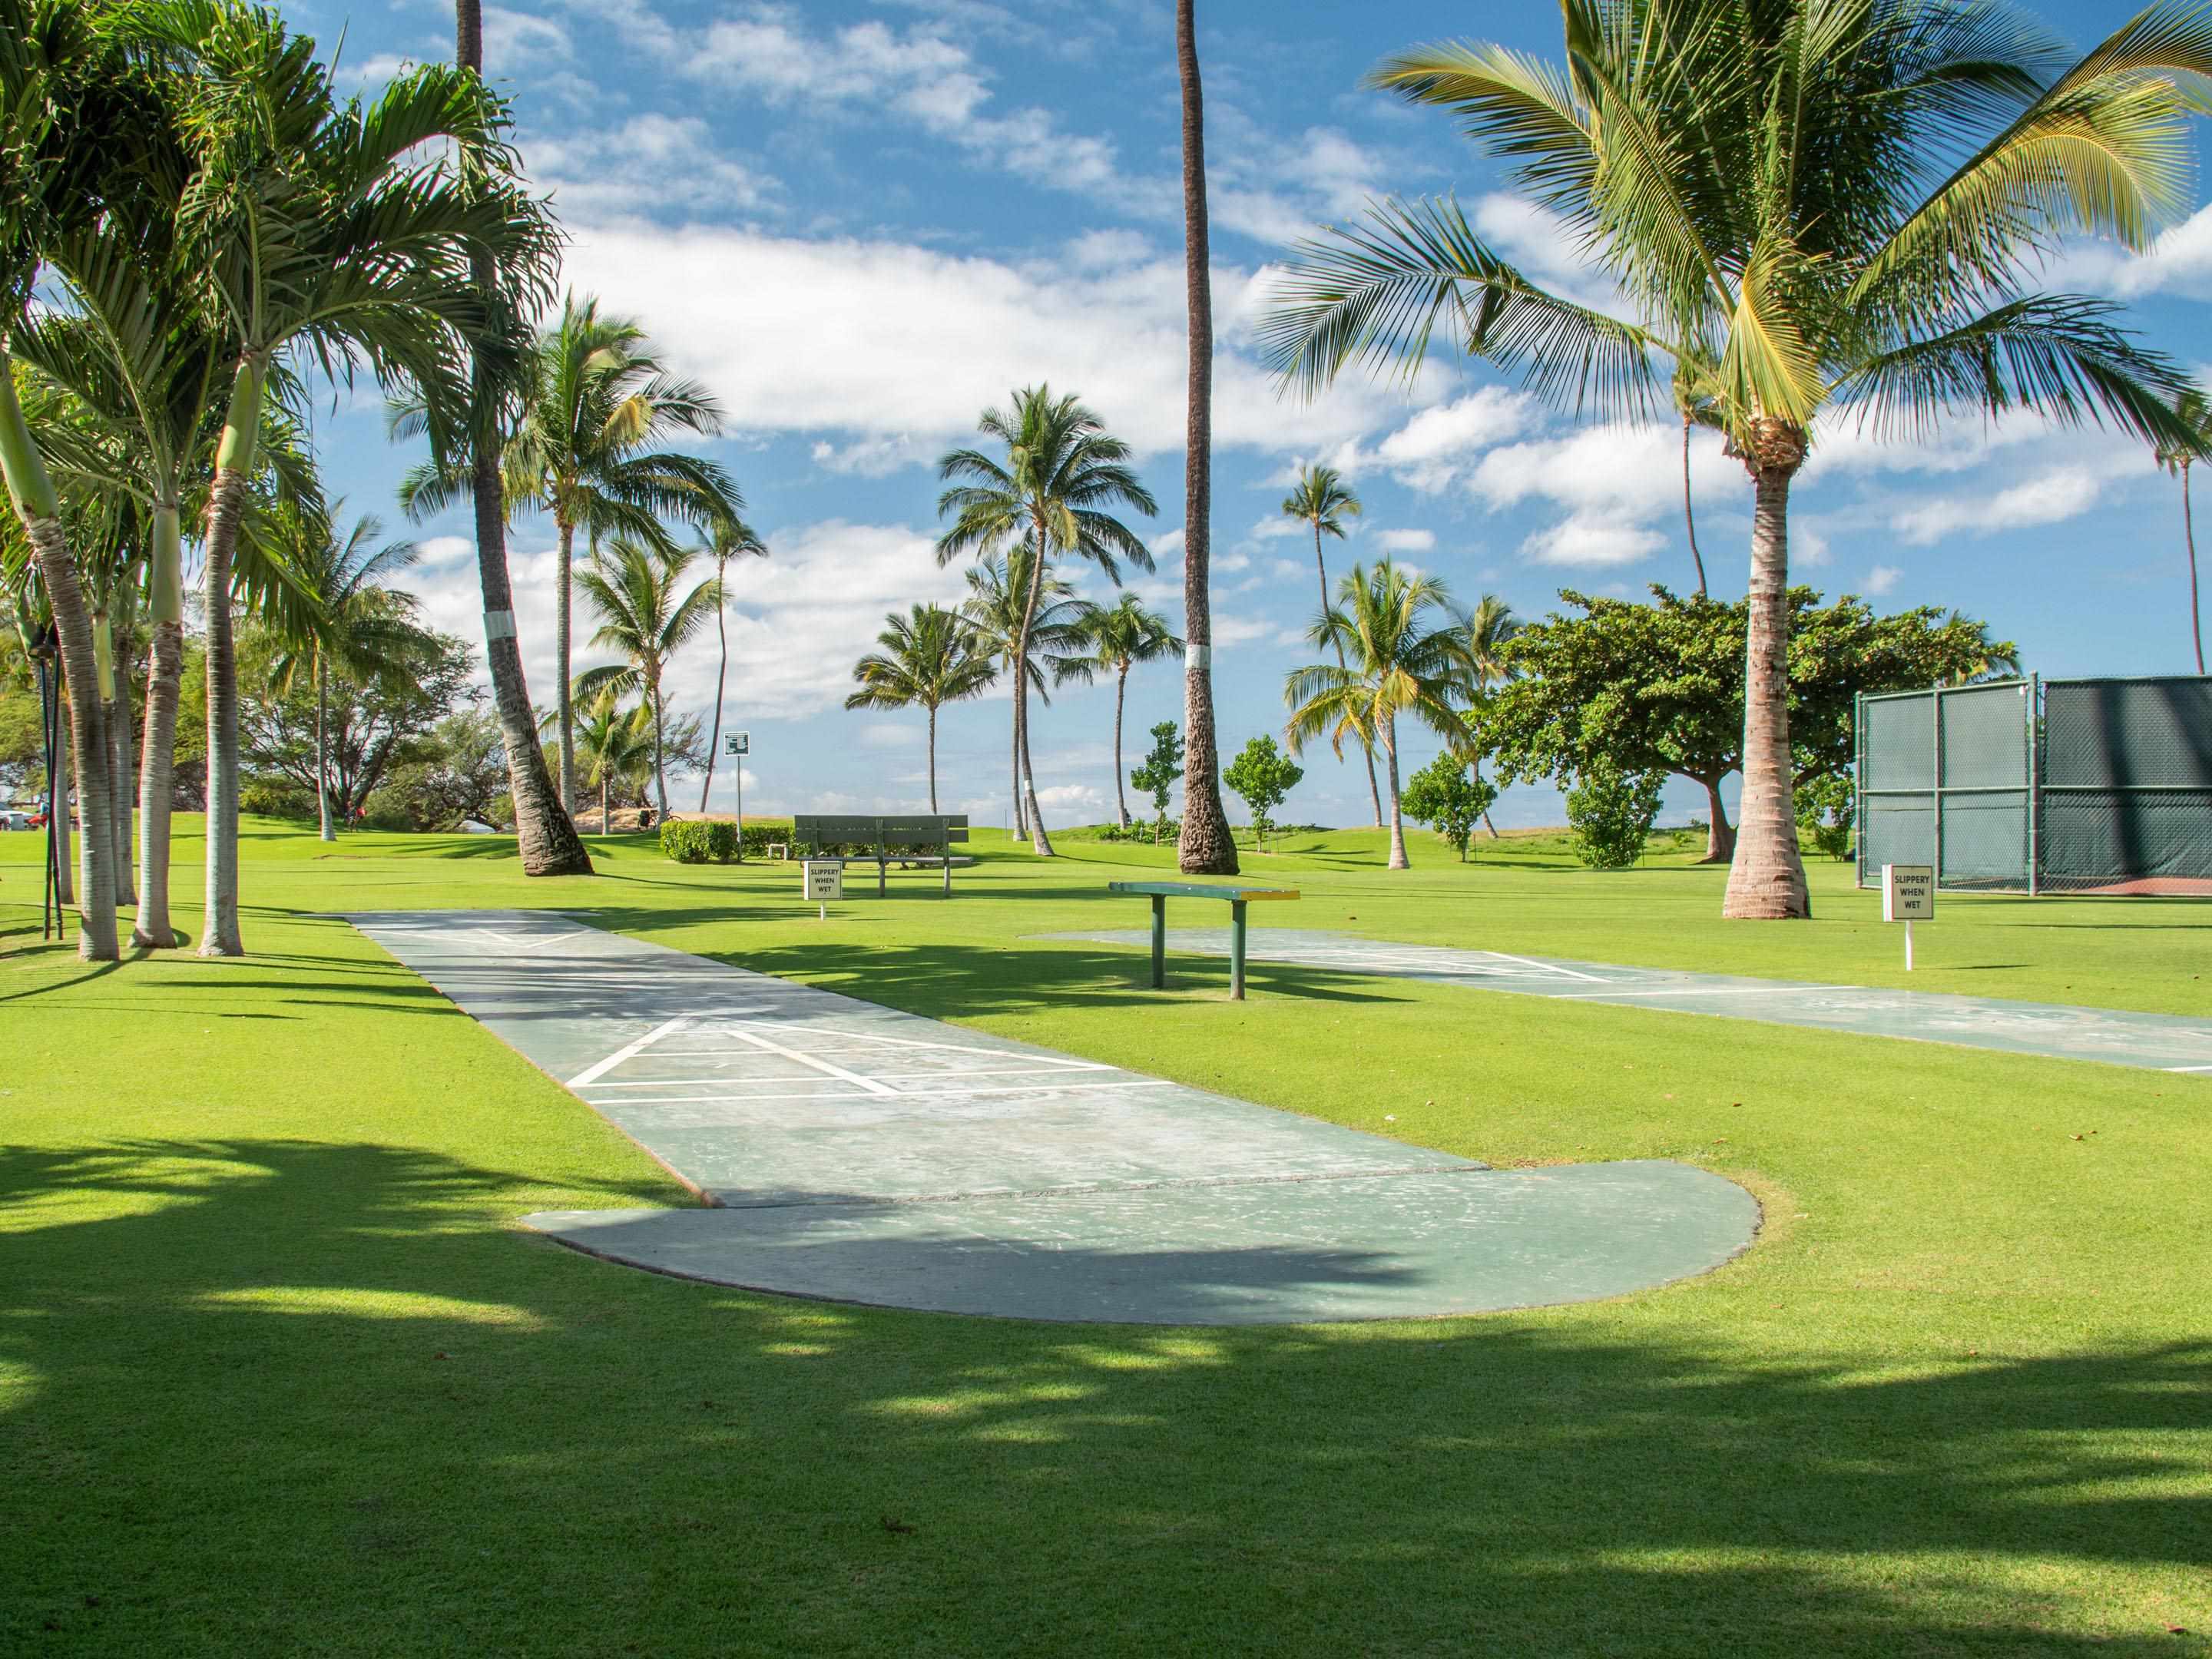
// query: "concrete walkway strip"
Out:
[857,1153]
[2112,1036]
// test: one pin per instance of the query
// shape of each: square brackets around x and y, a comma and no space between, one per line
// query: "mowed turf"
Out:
[277,1372]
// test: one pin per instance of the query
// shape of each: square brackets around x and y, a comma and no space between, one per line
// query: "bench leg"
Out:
[1237,950]
[883,869]
[948,871]
[1159,941]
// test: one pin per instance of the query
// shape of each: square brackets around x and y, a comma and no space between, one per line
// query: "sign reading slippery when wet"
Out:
[1908,895]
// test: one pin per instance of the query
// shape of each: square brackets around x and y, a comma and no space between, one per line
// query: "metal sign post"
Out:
[1908,893]
[740,744]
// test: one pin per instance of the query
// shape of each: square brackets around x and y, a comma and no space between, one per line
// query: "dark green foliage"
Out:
[1442,795]
[1611,813]
[1261,776]
[1159,772]
[690,842]
[1825,811]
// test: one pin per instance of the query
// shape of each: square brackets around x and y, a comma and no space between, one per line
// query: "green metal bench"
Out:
[924,839]
[1238,897]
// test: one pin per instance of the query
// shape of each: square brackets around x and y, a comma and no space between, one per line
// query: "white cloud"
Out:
[2180,262]
[1241,630]
[673,162]
[1881,578]
[1437,447]
[2061,494]
[1406,541]
[1580,540]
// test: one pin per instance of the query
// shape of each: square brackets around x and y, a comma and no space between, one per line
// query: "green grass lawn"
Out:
[278,1372]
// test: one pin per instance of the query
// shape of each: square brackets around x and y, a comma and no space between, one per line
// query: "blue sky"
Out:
[861,224]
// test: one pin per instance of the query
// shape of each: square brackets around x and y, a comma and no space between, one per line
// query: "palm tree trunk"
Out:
[1320,568]
[1398,859]
[1041,843]
[2188,534]
[1720,838]
[721,679]
[32,493]
[227,497]
[933,759]
[563,701]
[119,769]
[322,751]
[165,671]
[1120,794]
[544,833]
[660,776]
[1206,846]
[1766,880]
[1689,522]
[59,789]
[1019,823]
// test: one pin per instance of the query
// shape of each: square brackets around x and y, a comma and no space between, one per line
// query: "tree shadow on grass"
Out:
[283,1395]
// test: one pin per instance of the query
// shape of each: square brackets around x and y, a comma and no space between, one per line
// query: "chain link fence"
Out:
[2095,786]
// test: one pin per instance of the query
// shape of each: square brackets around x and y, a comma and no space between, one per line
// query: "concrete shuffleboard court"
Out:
[2165,1042]
[856,1153]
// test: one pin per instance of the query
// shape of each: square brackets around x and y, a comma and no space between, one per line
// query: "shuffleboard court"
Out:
[2113,1036]
[857,1153]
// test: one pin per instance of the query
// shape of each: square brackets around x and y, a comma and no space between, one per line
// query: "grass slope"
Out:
[277,1373]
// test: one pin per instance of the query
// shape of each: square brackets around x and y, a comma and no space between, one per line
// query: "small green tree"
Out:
[1159,772]
[1825,810]
[1611,813]
[1443,796]
[1260,775]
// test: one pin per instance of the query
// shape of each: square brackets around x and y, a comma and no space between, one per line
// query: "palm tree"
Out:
[1062,471]
[998,608]
[1324,500]
[1206,845]
[357,624]
[615,747]
[317,228]
[1115,639]
[1696,408]
[1842,208]
[597,400]
[727,538]
[2177,458]
[931,656]
[1479,638]
[1399,664]
[1992,659]
[634,589]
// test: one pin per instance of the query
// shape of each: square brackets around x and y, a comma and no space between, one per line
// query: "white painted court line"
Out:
[1547,967]
[2189,1068]
[819,1065]
[629,1051]
[900,1094]
[961,1048]
[1698,991]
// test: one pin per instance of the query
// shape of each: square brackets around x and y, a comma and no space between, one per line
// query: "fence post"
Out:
[1936,778]
[2034,785]
[1859,778]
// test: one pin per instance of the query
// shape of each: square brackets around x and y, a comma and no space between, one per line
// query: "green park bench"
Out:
[1238,897]
[923,841]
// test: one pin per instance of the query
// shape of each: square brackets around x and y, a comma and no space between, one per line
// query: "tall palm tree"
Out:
[634,590]
[1695,405]
[1115,639]
[1206,845]
[1479,638]
[1398,663]
[727,538]
[1062,471]
[597,403]
[614,745]
[1041,636]
[315,228]
[1324,500]
[357,624]
[2177,458]
[931,656]
[1842,205]
[508,285]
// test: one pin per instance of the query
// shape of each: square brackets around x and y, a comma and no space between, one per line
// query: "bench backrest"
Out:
[815,829]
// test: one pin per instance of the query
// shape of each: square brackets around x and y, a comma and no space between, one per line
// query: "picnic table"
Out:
[926,839]
[1238,897]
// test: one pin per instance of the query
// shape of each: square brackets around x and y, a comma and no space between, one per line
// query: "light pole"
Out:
[739,745]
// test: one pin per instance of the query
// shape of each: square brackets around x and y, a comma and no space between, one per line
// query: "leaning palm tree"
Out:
[1115,639]
[1062,471]
[1205,847]
[1479,638]
[1324,500]
[1398,663]
[931,656]
[1695,406]
[1042,636]
[317,229]
[2177,458]
[614,745]
[598,402]
[358,624]
[1841,205]
[634,589]
[727,538]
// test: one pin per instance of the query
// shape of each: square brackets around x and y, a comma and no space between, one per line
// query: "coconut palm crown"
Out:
[1322,499]
[930,656]
[1841,206]
[645,616]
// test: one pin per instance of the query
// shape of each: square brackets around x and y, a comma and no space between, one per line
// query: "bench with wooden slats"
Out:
[922,839]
